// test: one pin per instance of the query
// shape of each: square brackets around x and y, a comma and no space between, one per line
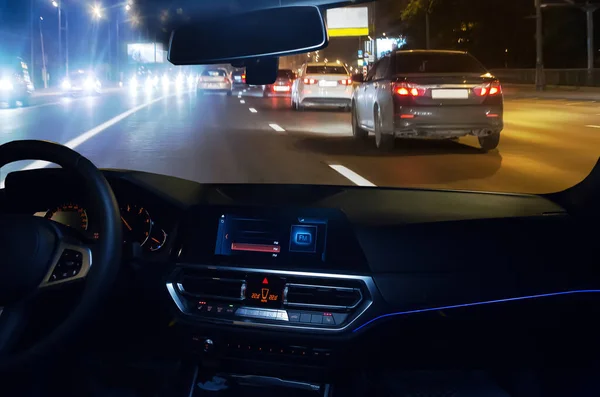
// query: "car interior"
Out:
[127,283]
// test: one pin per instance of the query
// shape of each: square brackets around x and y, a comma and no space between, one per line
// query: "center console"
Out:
[295,270]
[269,296]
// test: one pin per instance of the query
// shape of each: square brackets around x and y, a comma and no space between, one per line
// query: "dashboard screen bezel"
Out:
[198,235]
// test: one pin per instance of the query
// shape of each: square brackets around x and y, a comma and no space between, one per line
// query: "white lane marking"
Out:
[73,143]
[244,90]
[239,92]
[242,101]
[276,128]
[252,110]
[593,126]
[352,176]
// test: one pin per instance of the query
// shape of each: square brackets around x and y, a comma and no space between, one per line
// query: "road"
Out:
[547,145]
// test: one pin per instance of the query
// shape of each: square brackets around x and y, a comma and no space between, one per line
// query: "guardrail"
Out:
[552,77]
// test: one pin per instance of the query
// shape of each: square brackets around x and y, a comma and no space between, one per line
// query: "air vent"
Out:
[317,296]
[212,288]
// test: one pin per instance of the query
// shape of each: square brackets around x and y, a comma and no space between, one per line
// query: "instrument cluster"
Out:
[137,223]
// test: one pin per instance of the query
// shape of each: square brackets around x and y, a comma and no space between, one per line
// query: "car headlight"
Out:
[88,84]
[66,85]
[6,85]
[133,82]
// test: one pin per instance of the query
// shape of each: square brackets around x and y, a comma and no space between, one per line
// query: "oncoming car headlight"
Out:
[6,85]
[66,85]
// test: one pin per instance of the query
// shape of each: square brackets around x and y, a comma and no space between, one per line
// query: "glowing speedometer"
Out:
[72,215]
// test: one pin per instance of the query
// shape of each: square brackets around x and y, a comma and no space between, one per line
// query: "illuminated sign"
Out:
[349,21]
[146,53]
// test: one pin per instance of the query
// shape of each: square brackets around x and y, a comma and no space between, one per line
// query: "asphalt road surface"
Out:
[546,146]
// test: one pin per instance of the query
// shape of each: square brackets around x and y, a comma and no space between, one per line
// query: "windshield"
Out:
[214,73]
[288,74]
[326,70]
[468,109]
[437,63]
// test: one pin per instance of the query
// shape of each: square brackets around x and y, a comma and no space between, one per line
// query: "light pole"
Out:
[539,48]
[44,74]
[58,4]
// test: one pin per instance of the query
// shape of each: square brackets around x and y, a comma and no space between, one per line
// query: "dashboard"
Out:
[275,272]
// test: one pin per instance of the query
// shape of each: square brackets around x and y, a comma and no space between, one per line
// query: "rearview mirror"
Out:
[264,33]
[262,71]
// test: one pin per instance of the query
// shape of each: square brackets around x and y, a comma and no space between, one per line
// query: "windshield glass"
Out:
[472,113]
[285,74]
[326,70]
[437,63]
[214,73]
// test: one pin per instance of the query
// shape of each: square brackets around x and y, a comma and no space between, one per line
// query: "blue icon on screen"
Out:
[303,238]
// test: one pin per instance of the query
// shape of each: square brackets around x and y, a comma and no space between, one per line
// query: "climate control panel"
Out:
[308,302]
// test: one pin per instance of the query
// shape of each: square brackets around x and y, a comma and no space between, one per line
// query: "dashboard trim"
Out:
[462,305]
[367,303]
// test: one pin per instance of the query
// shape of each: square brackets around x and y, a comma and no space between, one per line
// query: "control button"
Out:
[339,318]
[210,308]
[282,315]
[220,309]
[297,350]
[253,312]
[328,320]
[241,312]
[321,353]
[316,319]
[305,318]
[208,345]
[230,309]
[272,315]
[201,307]
[294,317]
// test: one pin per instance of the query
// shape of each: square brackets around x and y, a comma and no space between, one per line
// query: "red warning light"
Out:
[265,281]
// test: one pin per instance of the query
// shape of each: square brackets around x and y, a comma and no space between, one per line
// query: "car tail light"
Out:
[243,78]
[408,90]
[345,82]
[491,89]
[310,81]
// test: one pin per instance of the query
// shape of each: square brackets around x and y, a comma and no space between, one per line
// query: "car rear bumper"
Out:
[325,102]
[444,122]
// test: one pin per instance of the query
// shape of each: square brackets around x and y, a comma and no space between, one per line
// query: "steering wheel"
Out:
[37,253]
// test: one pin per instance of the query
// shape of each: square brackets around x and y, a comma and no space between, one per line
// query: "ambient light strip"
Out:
[519,298]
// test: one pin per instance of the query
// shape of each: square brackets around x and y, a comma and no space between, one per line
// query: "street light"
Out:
[96,11]
[55,4]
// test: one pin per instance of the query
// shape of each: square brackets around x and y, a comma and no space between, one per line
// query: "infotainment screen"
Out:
[260,237]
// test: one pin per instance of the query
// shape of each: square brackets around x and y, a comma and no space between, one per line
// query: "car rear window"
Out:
[437,63]
[326,70]
[213,73]
[285,73]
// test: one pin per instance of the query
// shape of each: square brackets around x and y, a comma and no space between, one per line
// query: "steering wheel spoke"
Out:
[71,262]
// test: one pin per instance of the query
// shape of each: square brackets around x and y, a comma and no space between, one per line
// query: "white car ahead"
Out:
[322,85]
[215,80]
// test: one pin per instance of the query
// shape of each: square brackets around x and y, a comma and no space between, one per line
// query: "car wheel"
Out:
[360,134]
[25,101]
[383,141]
[489,142]
[265,94]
